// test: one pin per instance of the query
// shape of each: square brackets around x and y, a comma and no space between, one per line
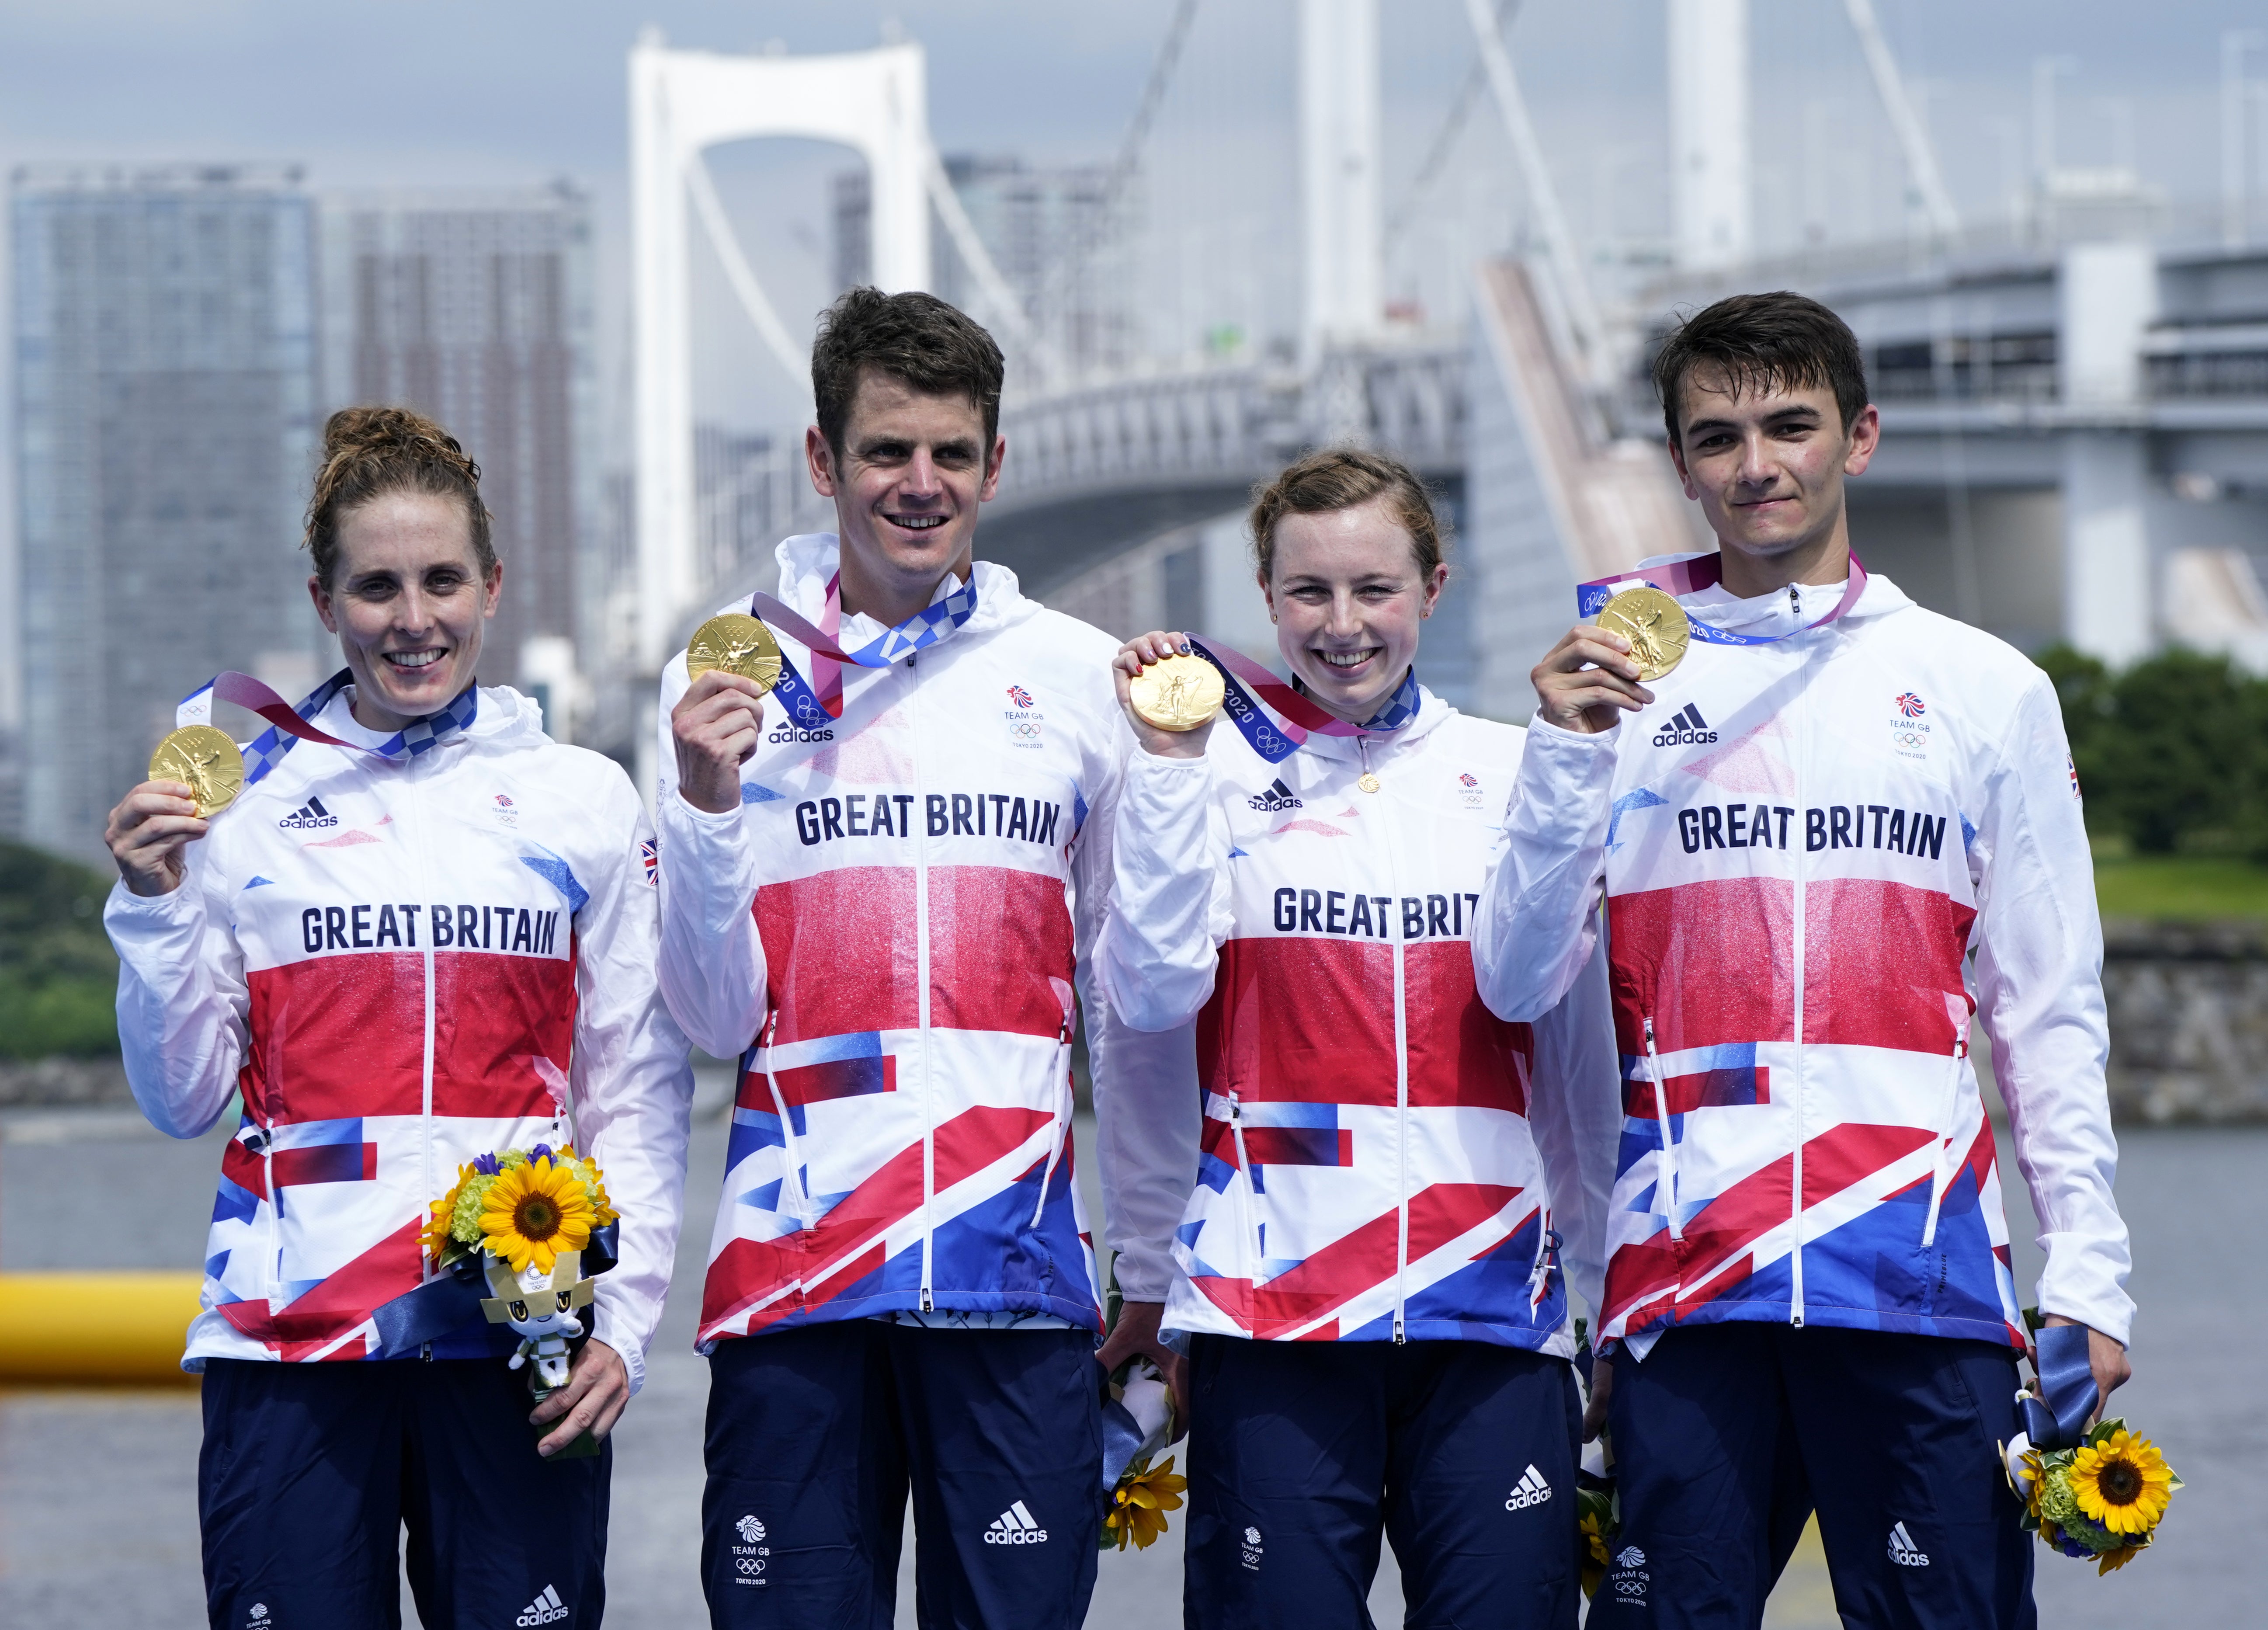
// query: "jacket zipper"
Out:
[1669,1180]
[1401,1079]
[1251,1187]
[1802,763]
[921,973]
[415,840]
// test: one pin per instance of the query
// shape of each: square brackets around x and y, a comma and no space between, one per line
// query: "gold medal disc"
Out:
[1369,782]
[739,643]
[1655,626]
[203,760]
[1178,694]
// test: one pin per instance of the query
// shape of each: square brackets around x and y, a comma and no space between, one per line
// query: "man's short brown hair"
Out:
[1760,342]
[915,338]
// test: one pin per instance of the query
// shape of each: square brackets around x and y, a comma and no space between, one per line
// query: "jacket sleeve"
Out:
[1144,1080]
[182,1000]
[631,1085]
[713,974]
[2039,975]
[1169,910]
[1536,920]
[1575,1108]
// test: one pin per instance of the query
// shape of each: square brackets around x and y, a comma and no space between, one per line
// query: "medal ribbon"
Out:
[1289,718]
[291,726]
[918,632]
[1687,577]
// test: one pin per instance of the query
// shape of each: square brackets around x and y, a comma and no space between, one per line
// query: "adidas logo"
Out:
[1277,796]
[1686,728]
[1904,1552]
[1531,1490]
[307,817]
[1015,1526]
[547,1609]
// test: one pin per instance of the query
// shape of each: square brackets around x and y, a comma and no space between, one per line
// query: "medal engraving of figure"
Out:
[739,643]
[203,760]
[1654,624]
[1178,694]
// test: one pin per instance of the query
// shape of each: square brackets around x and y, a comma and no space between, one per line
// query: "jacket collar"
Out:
[809,559]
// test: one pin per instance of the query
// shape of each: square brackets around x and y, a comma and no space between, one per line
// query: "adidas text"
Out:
[1686,728]
[1277,796]
[307,817]
[1904,1552]
[1531,1491]
[547,1609]
[1015,1526]
[789,733]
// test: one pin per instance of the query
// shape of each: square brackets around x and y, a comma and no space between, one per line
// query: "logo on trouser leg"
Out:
[1015,1526]
[1629,1576]
[1904,1552]
[751,1557]
[1251,1549]
[547,1609]
[1531,1490]
[259,1620]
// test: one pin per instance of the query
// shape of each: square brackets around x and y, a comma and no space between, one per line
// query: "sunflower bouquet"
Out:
[2102,1500]
[526,1219]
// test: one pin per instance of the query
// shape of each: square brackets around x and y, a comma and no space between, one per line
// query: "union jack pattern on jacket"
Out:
[401,964]
[1369,1166]
[1803,844]
[888,932]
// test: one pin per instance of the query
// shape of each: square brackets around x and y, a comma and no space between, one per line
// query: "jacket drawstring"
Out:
[1669,1184]
[1941,1176]
[793,1176]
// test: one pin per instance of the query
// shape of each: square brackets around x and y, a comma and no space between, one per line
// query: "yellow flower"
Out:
[533,1213]
[1138,1503]
[2111,1561]
[1595,1543]
[2123,1483]
[436,1232]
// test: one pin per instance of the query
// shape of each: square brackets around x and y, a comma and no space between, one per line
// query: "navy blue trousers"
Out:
[310,1472]
[817,1435]
[1301,1453]
[1728,1435]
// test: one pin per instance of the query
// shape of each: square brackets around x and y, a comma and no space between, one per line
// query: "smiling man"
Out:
[879,888]
[1842,829]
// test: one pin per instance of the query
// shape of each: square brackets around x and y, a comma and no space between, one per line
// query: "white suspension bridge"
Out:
[2077,408]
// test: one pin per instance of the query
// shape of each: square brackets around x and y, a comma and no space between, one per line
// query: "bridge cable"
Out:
[1453,126]
[753,300]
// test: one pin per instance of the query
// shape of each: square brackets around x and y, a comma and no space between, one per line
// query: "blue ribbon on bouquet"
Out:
[450,1299]
[1138,1413]
[2067,1379]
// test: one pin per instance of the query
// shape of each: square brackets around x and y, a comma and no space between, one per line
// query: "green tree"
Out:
[2179,754]
[58,975]
[2083,686]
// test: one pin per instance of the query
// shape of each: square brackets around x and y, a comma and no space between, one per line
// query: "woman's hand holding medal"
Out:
[1171,695]
[147,833]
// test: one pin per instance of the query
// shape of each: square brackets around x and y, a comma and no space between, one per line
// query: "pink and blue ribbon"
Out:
[1680,578]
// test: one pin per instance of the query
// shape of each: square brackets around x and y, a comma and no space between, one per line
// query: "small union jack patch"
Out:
[652,863]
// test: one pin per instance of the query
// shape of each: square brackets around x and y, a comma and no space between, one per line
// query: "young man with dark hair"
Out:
[879,891]
[1835,833]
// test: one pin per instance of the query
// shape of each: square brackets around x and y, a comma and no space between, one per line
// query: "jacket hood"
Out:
[504,719]
[807,560]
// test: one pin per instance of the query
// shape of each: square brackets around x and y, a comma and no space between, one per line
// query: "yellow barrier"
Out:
[89,1328]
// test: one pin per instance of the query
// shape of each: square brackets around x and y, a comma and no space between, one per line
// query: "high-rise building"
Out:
[1054,236]
[475,308]
[165,400]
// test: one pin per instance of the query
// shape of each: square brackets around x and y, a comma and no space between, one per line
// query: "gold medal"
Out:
[1178,694]
[203,760]
[1654,624]
[1369,782]
[739,643]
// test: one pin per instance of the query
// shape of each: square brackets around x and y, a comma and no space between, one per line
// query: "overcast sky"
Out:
[423,93]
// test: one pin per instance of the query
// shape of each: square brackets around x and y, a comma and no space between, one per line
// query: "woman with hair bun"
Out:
[1393,1187]
[423,931]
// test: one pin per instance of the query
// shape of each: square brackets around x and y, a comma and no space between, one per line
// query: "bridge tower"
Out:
[1338,172]
[682,102]
[1709,132]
